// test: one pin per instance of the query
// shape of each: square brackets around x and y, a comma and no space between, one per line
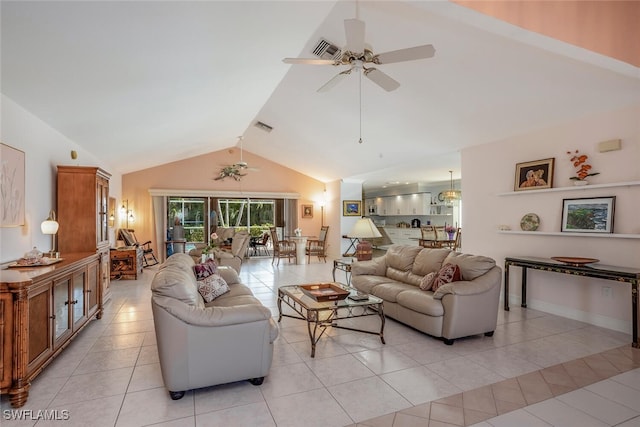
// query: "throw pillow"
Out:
[427,281]
[447,274]
[205,269]
[212,287]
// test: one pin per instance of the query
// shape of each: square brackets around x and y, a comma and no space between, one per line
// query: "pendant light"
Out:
[451,195]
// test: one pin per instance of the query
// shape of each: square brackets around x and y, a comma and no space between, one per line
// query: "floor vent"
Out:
[326,50]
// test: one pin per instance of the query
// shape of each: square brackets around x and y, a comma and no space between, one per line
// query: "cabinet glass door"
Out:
[77,298]
[61,307]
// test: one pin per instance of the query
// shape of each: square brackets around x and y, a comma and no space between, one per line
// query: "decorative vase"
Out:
[580,182]
[451,234]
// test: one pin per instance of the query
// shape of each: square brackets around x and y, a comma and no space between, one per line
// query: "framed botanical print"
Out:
[12,186]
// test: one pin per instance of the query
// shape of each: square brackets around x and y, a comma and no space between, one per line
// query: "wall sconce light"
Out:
[127,213]
[50,226]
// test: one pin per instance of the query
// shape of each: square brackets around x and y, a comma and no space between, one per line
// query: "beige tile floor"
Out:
[537,370]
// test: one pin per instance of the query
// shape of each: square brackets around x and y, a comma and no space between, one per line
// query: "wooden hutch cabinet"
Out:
[83,201]
[41,310]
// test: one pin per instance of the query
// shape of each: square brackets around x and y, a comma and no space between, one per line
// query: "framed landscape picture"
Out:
[351,208]
[534,175]
[588,215]
[307,211]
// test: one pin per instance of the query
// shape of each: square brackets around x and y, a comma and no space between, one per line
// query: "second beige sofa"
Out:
[457,309]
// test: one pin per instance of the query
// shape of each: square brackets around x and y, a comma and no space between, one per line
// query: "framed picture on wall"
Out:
[351,208]
[588,215]
[12,187]
[534,175]
[307,211]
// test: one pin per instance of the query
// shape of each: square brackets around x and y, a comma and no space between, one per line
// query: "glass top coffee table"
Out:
[320,315]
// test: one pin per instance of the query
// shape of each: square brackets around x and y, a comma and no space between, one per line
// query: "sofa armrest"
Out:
[229,274]
[479,285]
[214,316]
[375,267]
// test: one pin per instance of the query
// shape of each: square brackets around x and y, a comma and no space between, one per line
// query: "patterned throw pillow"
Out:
[205,270]
[427,281]
[212,287]
[447,274]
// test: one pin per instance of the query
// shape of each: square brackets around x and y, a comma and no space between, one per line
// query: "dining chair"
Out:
[282,248]
[318,247]
[428,238]
[260,243]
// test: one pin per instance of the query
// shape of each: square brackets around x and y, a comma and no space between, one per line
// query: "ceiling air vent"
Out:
[326,50]
[265,127]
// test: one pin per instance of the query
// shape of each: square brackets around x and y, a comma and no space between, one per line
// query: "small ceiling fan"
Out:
[235,170]
[356,54]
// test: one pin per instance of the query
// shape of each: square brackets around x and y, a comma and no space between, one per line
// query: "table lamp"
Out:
[364,228]
[50,226]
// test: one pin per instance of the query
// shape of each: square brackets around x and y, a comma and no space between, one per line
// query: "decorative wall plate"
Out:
[530,222]
[575,261]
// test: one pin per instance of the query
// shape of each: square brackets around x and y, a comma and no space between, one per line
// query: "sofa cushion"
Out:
[389,291]
[471,266]
[400,257]
[429,260]
[234,301]
[447,274]
[366,283]
[421,302]
[212,286]
[205,269]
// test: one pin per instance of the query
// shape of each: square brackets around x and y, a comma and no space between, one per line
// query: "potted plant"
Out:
[583,169]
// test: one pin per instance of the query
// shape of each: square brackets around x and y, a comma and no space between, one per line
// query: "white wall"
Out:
[44,148]
[490,169]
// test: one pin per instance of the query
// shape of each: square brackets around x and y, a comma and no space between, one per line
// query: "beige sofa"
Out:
[455,310]
[229,339]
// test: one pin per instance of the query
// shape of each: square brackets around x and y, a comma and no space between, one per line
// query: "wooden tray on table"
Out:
[324,292]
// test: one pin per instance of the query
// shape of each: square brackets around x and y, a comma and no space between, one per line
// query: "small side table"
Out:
[126,263]
[351,250]
[343,264]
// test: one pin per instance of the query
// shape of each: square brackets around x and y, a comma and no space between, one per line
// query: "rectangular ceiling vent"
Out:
[265,127]
[326,50]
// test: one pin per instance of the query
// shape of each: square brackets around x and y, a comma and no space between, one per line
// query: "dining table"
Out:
[301,244]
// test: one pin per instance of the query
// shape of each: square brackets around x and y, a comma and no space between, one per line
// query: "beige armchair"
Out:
[199,345]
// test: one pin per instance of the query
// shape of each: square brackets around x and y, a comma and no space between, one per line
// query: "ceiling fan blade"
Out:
[354,30]
[408,54]
[335,80]
[381,79]
[309,61]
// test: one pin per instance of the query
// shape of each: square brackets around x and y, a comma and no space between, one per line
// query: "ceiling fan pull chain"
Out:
[360,83]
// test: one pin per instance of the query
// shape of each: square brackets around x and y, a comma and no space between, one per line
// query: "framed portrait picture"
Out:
[351,208]
[534,175]
[588,215]
[307,211]
[12,187]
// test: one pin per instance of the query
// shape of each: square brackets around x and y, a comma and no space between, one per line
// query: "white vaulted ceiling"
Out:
[145,83]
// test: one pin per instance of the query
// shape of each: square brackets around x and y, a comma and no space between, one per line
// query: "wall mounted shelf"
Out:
[574,188]
[558,233]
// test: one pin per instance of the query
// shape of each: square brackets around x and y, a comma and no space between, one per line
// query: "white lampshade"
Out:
[49,225]
[364,228]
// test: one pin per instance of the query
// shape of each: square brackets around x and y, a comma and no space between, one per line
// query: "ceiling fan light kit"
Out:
[235,170]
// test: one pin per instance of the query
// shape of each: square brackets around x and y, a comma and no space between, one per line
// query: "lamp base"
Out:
[53,254]
[364,251]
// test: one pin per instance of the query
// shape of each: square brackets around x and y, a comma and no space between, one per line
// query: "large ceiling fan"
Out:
[357,55]
[235,170]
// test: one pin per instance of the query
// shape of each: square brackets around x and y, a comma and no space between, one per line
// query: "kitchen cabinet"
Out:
[403,236]
[83,200]
[403,204]
[41,310]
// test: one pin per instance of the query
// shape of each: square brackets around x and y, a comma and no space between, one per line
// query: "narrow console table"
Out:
[607,272]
